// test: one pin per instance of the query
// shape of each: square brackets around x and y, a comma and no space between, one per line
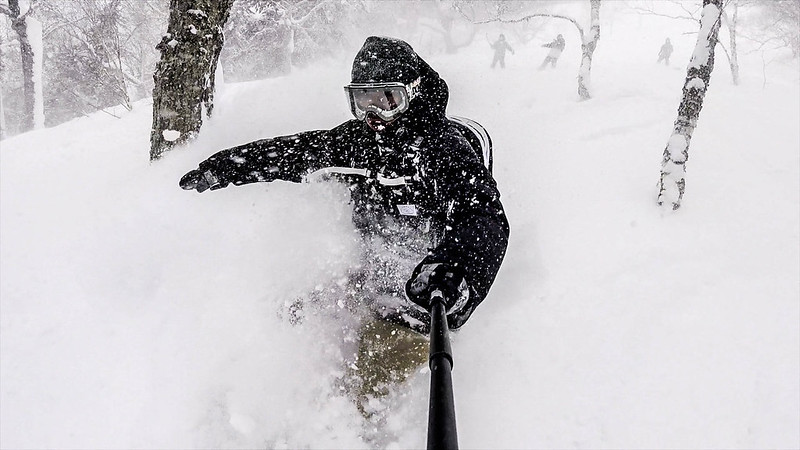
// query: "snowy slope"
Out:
[134,314]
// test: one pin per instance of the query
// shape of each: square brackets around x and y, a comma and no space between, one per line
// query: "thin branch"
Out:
[87,102]
[438,30]
[683,7]
[650,12]
[531,16]
[62,25]
[725,50]
[309,13]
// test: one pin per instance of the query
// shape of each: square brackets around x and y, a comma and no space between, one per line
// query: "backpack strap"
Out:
[478,138]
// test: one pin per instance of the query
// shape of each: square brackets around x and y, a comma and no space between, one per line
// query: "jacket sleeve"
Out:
[476,230]
[286,158]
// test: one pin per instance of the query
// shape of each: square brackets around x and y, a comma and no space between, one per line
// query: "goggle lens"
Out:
[384,99]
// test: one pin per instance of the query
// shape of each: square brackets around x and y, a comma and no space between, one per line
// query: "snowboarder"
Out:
[500,47]
[663,54]
[556,47]
[427,208]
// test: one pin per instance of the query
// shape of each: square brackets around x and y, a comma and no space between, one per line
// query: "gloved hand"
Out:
[201,181]
[447,278]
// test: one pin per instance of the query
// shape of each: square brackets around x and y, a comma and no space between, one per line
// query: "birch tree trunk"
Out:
[2,117]
[184,77]
[733,58]
[588,47]
[673,167]
[37,47]
[2,109]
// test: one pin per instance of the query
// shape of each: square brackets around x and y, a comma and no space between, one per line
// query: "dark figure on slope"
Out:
[663,54]
[426,206]
[500,47]
[556,47]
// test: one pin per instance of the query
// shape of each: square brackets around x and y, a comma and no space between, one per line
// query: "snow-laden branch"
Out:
[14,12]
[31,9]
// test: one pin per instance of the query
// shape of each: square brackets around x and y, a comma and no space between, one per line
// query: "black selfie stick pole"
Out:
[441,410]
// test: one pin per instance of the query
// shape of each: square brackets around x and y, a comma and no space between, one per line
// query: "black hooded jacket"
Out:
[419,174]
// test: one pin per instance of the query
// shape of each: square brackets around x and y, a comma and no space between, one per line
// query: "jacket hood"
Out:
[383,59]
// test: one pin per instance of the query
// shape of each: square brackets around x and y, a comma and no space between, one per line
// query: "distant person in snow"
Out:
[663,54]
[500,47]
[425,203]
[556,47]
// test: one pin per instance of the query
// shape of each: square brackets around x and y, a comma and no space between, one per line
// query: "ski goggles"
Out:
[387,100]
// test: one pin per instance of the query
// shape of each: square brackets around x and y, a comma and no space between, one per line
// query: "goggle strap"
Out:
[413,88]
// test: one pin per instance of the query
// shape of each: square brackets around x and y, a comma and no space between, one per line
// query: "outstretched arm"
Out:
[286,158]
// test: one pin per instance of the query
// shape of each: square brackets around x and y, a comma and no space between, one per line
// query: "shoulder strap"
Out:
[478,138]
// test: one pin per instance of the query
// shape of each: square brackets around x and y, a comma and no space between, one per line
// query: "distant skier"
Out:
[663,54]
[556,47]
[500,47]
[426,206]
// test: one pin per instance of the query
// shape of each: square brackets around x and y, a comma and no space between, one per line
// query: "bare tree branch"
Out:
[57,27]
[531,16]
[310,13]
[650,12]
[683,7]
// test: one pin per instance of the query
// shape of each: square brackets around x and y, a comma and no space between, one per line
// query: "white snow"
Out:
[696,83]
[171,135]
[676,145]
[710,16]
[138,315]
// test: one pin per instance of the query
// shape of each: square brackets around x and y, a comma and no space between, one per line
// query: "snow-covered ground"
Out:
[137,315]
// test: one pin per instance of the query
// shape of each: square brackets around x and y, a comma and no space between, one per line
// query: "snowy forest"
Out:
[649,169]
[65,59]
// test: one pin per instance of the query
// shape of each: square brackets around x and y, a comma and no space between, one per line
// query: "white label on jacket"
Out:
[407,210]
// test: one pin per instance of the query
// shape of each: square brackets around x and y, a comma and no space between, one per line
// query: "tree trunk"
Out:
[734,57]
[20,27]
[698,74]
[588,47]
[184,77]
[37,46]
[2,109]
[2,116]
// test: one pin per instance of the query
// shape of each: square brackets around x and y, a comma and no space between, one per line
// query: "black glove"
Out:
[201,181]
[440,276]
